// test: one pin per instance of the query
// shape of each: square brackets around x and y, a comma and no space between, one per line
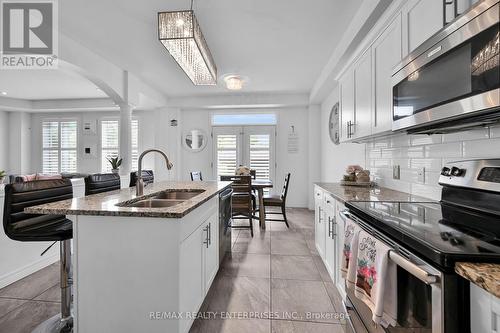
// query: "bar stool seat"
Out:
[24,227]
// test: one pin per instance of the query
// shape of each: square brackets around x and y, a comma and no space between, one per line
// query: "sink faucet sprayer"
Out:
[139,186]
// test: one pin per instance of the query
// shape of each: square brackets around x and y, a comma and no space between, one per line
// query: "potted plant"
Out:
[2,176]
[115,164]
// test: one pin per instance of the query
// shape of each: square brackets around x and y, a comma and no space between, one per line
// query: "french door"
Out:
[252,146]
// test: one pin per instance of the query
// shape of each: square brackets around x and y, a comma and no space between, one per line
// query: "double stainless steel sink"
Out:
[165,199]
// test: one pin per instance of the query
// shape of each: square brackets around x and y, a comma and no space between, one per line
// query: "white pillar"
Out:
[125,141]
[314,148]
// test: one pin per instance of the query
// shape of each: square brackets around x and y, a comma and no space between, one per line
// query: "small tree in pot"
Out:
[115,164]
[2,176]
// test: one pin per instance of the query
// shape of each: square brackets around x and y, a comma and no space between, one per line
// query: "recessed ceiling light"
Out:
[234,82]
[98,89]
[3,93]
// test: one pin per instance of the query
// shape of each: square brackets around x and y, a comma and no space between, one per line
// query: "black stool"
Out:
[101,182]
[41,228]
[147,176]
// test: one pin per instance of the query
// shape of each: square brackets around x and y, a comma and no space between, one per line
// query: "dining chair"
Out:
[242,207]
[196,176]
[278,201]
[148,177]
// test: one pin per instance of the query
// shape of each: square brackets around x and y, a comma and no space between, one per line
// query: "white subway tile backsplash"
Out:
[391,152]
[400,141]
[444,150]
[424,139]
[414,152]
[482,148]
[430,164]
[495,131]
[475,134]
[426,191]
[432,177]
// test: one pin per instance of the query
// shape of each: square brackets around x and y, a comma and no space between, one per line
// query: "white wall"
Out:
[4,140]
[297,164]
[414,152]
[91,164]
[19,142]
[335,158]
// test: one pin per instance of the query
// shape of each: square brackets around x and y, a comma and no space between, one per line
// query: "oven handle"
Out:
[410,267]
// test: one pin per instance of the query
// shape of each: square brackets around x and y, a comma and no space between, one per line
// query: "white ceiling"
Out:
[46,84]
[281,45]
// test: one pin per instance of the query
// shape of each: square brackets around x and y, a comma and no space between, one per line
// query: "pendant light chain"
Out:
[191,4]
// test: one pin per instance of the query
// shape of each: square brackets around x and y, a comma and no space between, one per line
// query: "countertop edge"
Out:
[382,193]
[484,275]
[152,213]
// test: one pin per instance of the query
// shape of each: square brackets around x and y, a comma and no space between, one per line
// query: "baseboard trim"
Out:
[26,270]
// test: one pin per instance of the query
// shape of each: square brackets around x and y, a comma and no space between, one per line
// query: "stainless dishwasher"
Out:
[225,212]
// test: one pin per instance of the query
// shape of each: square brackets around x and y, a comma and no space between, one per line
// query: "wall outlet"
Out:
[396,172]
[421,175]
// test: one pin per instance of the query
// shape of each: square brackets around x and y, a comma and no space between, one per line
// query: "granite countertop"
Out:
[358,193]
[485,275]
[106,204]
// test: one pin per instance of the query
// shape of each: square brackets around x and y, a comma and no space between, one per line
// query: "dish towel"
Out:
[376,279]
[350,253]
[351,231]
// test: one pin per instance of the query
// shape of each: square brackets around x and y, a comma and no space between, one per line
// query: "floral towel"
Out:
[350,242]
[375,282]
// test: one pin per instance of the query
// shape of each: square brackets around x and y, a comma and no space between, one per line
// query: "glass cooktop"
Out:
[438,231]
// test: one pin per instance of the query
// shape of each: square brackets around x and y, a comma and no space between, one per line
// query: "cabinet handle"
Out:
[329,226]
[319,217]
[206,238]
[334,228]
[210,233]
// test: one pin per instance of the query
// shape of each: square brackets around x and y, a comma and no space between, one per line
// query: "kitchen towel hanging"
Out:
[351,231]
[376,279]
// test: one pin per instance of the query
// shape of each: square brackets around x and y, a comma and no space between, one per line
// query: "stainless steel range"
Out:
[427,239]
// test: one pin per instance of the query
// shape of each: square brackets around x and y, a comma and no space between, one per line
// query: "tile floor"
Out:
[277,271]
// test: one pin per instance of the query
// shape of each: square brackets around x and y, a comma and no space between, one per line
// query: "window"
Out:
[226,154]
[59,141]
[110,143]
[252,146]
[244,119]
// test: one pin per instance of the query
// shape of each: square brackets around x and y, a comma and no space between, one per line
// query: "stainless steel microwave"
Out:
[452,81]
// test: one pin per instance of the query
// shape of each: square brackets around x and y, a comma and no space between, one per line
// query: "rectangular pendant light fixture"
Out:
[181,35]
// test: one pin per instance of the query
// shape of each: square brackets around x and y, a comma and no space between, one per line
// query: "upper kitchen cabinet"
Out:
[387,53]
[347,105]
[421,20]
[363,93]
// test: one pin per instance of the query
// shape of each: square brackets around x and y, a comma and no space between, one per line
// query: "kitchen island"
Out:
[142,264]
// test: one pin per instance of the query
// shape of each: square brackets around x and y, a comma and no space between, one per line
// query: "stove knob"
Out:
[457,172]
[445,171]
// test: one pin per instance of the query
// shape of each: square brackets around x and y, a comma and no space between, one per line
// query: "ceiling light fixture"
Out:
[180,33]
[234,82]
[3,93]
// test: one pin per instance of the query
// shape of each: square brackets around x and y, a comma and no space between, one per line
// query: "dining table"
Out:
[259,185]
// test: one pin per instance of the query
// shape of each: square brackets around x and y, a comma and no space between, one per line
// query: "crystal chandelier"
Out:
[181,35]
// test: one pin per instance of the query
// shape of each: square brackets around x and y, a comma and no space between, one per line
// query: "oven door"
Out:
[419,293]
[455,77]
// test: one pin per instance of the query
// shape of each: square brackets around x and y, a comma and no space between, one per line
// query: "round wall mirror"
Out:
[333,124]
[195,140]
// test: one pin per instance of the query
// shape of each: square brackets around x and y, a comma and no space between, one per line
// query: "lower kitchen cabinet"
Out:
[199,262]
[484,311]
[329,236]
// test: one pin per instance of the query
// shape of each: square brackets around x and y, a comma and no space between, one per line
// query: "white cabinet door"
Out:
[363,91]
[346,104]
[191,293]
[319,228]
[329,259]
[421,20]
[484,310]
[211,251]
[387,53]
[339,249]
